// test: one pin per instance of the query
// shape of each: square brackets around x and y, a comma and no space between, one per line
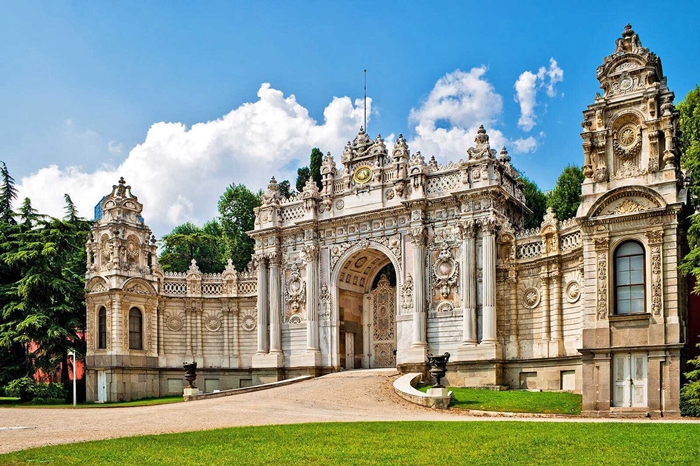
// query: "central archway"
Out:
[364,284]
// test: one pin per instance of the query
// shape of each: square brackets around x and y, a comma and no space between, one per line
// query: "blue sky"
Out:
[84,87]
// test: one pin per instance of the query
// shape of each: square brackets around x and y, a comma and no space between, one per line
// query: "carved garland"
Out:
[601,246]
[656,238]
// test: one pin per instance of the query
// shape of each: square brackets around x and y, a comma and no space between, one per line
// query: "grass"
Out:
[517,401]
[14,403]
[366,443]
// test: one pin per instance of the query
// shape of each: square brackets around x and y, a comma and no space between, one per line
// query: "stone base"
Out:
[438,392]
[477,353]
[190,392]
[413,355]
[305,359]
[268,361]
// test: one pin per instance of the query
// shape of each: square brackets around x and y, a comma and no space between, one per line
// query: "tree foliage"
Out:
[566,195]
[285,188]
[42,272]
[303,174]
[535,200]
[689,110]
[187,242]
[237,216]
[313,170]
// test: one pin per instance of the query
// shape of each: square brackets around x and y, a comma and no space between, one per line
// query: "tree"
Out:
[187,242]
[689,123]
[238,217]
[313,170]
[566,195]
[303,175]
[535,200]
[285,188]
[690,393]
[45,303]
[8,193]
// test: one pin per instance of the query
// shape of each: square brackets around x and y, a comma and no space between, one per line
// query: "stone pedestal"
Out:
[190,392]
[305,359]
[268,360]
[414,355]
[477,353]
[438,392]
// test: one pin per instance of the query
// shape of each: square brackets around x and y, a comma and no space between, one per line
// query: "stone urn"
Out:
[190,373]
[438,367]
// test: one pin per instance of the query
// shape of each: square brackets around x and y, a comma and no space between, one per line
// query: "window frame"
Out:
[102,330]
[644,277]
[133,332]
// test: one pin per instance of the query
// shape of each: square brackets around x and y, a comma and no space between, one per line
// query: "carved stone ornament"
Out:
[531,297]
[572,292]
[295,292]
[212,322]
[656,280]
[175,321]
[628,142]
[324,312]
[445,306]
[249,320]
[602,300]
[407,294]
[445,271]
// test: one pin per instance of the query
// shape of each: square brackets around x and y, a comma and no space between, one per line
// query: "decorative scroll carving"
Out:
[324,312]
[445,271]
[445,306]
[295,293]
[602,305]
[656,280]
[407,295]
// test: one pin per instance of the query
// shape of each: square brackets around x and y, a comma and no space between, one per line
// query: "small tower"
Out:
[123,277]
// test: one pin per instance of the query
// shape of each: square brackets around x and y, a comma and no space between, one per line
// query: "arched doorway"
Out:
[366,291]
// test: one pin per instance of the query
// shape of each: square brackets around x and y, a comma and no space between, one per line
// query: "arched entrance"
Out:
[366,295]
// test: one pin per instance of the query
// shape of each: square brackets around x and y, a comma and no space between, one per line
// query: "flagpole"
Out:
[365,106]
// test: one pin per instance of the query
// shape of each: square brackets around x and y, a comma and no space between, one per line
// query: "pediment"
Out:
[139,287]
[97,285]
[627,201]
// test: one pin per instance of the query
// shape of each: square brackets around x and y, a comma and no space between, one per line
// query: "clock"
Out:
[362,175]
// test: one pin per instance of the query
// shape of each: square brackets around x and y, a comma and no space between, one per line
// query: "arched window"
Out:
[135,329]
[102,329]
[629,278]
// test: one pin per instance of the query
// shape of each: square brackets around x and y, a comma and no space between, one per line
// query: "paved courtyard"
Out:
[345,396]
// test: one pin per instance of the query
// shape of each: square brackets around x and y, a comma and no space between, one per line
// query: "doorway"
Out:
[630,380]
[367,311]
[101,386]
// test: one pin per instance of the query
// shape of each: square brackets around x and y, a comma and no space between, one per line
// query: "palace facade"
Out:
[593,305]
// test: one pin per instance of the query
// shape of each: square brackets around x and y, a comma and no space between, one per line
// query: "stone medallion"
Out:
[174,322]
[531,297]
[572,291]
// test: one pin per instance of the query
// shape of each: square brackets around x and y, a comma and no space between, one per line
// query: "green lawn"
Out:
[14,403]
[429,443]
[517,401]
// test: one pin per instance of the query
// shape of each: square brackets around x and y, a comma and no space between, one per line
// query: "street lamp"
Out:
[75,394]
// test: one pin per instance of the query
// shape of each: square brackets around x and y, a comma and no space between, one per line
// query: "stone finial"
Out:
[328,165]
[400,152]
[504,157]
[273,193]
[482,147]
[193,267]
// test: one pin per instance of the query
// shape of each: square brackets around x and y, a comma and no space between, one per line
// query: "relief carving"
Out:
[445,271]
[295,295]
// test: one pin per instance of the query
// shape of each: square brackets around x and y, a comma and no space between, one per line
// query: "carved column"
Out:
[419,315]
[262,304]
[310,256]
[468,231]
[488,228]
[115,320]
[556,322]
[275,303]
[601,246]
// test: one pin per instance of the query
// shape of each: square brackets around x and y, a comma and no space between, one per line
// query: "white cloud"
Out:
[115,148]
[525,145]
[527,86]
[447,120]
[179,172]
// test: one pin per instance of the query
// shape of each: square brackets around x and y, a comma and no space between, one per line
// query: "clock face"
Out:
[362,175]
